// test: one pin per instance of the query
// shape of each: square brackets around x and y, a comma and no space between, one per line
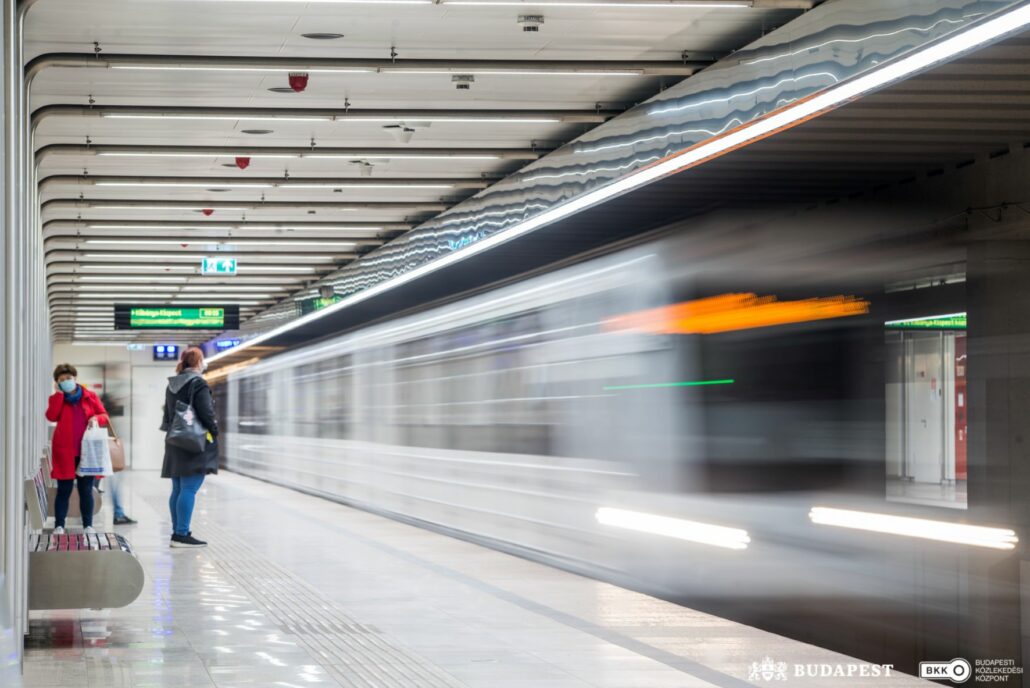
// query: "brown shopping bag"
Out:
[116,449]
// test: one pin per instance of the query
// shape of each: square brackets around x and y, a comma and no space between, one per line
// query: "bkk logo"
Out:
[958,670]
[770,670]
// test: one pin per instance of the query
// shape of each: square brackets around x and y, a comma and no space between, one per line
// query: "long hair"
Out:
[191,358]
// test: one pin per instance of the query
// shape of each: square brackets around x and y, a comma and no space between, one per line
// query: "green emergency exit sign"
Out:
[169,317]
[219,266]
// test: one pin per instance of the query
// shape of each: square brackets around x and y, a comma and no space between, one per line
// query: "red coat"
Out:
[65,446]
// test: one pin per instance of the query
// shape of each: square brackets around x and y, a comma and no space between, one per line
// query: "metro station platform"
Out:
[294,590]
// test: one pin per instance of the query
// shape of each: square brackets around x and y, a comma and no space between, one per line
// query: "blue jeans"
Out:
[184,493]
[64,493]
[115,483]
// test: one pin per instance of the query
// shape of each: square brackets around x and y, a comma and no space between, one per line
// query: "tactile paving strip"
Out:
[354,654]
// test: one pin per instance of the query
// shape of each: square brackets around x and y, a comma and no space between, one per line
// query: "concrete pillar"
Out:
[998,304]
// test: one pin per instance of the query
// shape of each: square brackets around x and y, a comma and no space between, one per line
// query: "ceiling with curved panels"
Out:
[145,166]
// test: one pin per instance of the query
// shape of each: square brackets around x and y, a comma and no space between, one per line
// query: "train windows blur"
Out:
[336,413]
[474,389]
[322,406]
[254,416]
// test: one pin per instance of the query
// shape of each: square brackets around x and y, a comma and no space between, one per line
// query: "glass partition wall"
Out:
[926,404]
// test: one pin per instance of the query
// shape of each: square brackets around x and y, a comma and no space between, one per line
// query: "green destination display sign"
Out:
[951,321]
[167,316]
[312,305]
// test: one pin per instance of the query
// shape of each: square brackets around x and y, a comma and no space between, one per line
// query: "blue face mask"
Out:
[67,386]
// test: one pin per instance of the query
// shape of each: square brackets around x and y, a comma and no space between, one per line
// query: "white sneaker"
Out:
[88,530]
[59,530]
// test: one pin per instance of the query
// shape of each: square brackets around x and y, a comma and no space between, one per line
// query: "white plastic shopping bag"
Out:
[95,459]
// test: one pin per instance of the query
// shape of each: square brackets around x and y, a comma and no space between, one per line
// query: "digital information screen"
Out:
[950,321]
[166,352]
[311,305]
[129,317]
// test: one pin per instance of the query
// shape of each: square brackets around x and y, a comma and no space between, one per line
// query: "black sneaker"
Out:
[124,521]
[187,541]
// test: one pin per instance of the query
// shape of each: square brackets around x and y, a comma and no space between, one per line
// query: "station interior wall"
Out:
[997,483]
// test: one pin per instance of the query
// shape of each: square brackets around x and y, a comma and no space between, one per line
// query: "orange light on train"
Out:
[730,312]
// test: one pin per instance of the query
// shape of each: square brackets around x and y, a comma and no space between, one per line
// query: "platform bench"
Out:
[77,571]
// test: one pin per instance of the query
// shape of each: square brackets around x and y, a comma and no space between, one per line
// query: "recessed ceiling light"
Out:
[257,132]
[281,89]
[322,36]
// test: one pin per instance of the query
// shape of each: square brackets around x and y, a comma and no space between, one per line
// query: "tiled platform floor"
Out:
[296,591]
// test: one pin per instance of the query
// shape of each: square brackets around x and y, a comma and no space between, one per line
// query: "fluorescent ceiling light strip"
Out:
[283,227]
[429,71]
[229,300]
[202,185]
[942,531]
[105,206]
[272,268]
[694,531]
[412,119]
[133,287]
[134,266]
[165,227]
[158,256]
[383,70]
[221,242]
[927,317]
[391,156]
[183,288]
[671,4]
[243,68]
[116,295]
[306,257]
[345,2]
[345,185]
[283,184]
[117,278]
[231,288]
[399,117]
[225,118]
[160,298]
[171,154]
[227,296]
[1005,23]
[358,155]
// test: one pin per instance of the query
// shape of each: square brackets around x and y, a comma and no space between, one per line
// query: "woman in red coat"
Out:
[73,408]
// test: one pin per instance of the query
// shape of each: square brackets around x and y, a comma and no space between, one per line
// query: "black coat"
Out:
[180,462]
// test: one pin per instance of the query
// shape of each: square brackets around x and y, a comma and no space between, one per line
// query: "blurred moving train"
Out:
[691,415]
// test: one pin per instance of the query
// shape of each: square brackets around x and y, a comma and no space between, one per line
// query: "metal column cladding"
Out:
[834,44]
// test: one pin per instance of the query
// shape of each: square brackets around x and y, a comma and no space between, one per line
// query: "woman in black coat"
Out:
[186,469]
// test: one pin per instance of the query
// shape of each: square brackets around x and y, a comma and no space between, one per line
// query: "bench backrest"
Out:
[36,500]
